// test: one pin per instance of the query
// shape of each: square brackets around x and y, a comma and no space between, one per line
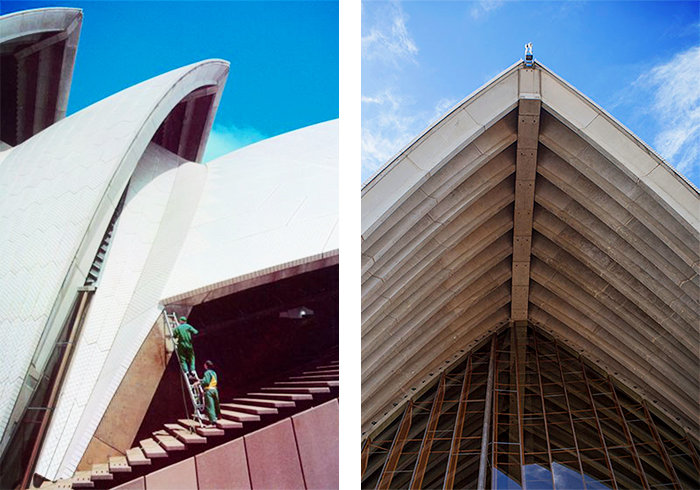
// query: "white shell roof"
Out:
[263,206]
[58,191]
[36,21]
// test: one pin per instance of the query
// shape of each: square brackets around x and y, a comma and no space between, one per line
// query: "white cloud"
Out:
[225,139]
[675,103]
[387,39]
[394,122]
[484,7]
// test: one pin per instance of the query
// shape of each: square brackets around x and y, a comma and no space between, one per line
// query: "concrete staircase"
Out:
[177,440]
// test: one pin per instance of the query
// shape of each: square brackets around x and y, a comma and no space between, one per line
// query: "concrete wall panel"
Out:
[273,459]
[317,436]
[137,484]
[224,467]
[180,476]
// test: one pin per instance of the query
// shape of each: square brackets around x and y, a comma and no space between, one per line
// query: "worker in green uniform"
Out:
[211,392]
[183,333]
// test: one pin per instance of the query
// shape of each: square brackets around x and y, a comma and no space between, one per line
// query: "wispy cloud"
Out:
[390,118]
[674,90]
[394,124]
[389,128]
[227,138]
[482,8]
[388,39]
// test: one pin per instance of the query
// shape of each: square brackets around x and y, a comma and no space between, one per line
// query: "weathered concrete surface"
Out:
[123,416]
[559,217]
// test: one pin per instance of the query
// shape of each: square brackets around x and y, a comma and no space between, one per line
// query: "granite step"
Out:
[267,403]
[101,471]
[251,409]
[240,416]
[185,435]
[152,449]
[283,396]
[119,464]
[297,390]
[202,431]
[136,457]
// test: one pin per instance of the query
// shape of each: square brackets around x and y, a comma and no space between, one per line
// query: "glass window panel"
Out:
[532,404]
[626,472]
[594,465]
[535,440]
[537,475]
[578,387]
[587,434]
[505,480]
[592,484]
[567,477]
[570,469]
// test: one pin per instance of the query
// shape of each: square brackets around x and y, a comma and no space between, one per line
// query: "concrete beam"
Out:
[525,174]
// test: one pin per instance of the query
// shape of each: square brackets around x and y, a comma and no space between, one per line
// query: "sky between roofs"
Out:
[283,55]
[640,61]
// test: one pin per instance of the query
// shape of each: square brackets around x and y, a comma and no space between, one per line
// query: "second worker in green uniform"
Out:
[211,392]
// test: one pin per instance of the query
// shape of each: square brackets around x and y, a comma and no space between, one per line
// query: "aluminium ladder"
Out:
[195,390]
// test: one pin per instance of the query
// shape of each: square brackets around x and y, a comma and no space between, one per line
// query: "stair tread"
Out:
[284,396]
[202,431]
[100,471]
[136,457]
[223,423]
[308,383]
[240,416]
[322,371]
[297,390]
[185,435]
[152,449]
[119,464]
[316,377]
[169,443]
[273,403]
[82,479]
[251,409]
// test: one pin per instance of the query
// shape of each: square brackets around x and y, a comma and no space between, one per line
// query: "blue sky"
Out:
[640,61]
[283,55]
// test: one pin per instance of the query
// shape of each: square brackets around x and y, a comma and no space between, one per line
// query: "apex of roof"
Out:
[384,191]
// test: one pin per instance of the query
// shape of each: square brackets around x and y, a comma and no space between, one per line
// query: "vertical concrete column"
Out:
[525,173]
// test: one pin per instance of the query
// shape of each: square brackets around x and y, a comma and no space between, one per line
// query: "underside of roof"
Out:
[527,202]
[37,55]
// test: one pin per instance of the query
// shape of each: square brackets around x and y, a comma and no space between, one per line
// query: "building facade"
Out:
[108,219]
[530,301]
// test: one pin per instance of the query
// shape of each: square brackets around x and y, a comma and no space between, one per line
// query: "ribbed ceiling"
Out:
[613,263]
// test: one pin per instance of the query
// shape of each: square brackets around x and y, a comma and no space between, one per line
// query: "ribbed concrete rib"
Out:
[617,218]
[604,266]
[630,194]
[566,229]
[525,173]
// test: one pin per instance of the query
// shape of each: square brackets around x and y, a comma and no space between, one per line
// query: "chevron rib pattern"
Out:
[613,260]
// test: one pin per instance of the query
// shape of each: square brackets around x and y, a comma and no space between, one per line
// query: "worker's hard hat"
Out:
[183,319]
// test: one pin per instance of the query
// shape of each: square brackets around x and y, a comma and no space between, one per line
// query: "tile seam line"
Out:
[296,445]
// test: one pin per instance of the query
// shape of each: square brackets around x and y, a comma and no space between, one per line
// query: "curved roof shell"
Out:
[527,202]
[262,212]
[58,192]
[37,55]
[265,208]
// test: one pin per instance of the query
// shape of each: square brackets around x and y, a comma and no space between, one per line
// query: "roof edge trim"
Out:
[378,173]
[253,279]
